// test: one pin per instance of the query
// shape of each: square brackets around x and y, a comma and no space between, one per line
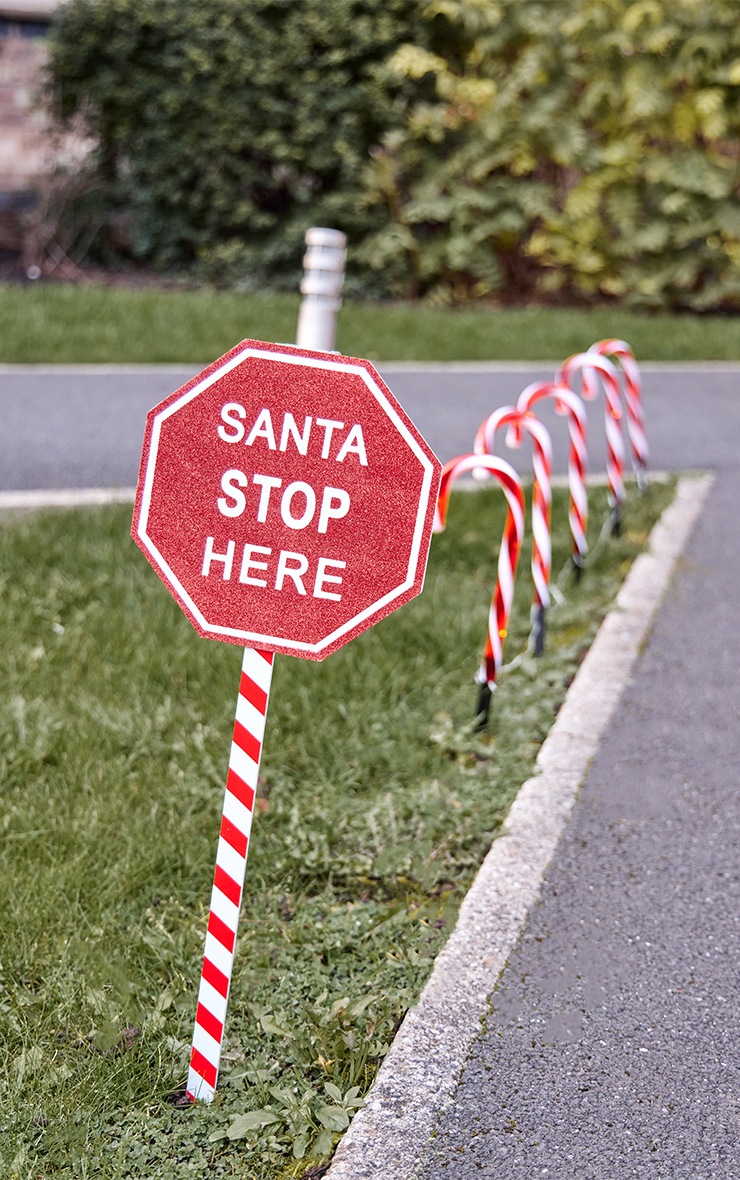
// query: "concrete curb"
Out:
[63,498]
[420,1074]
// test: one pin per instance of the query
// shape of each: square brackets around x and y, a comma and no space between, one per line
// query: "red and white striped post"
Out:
[228,880]
[621,352]
[591,366]
[508,558]
[485,443]
[569,404]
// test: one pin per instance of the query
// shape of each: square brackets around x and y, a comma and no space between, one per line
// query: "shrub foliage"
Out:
[469,148]
[224,130]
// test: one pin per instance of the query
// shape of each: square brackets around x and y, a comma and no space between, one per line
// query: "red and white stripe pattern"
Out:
[569,404]
[228,881]
[620,351]
[485,443]
[591,366]
[508,555]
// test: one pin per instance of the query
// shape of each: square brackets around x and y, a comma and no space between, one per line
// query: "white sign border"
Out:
[250,638]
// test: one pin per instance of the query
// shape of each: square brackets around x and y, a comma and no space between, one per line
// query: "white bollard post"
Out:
[321,288]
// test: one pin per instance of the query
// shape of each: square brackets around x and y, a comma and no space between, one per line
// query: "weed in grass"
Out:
[377,804]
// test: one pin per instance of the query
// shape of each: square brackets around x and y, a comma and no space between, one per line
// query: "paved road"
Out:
[83,428]
[610,1049]
[611,1045]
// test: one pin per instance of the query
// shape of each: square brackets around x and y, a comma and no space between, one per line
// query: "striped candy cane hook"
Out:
[485,442]
[569,404]
[589,364]
[508,558]
[228,881]
[621,352]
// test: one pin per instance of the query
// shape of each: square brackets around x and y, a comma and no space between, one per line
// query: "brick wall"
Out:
[22,141]
[26,149]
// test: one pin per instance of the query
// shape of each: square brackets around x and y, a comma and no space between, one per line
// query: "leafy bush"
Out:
[589,149]
[225,129]
[469,148]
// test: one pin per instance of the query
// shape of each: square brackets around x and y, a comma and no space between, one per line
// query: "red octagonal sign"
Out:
[285,499]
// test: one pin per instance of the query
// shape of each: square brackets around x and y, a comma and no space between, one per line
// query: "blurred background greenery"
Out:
[561,152]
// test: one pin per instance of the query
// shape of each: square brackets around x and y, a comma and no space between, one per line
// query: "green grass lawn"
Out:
[70,324]
[378,802]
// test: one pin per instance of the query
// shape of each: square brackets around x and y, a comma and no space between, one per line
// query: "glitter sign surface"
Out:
[285,499]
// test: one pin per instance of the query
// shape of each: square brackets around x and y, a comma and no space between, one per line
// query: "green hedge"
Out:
[584,148]
[225,129]
[569,149]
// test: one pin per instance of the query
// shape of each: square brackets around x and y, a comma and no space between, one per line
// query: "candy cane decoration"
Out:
[569,404]
[508,558]
[632,387]
[485,441]
[589,364]
[228,881]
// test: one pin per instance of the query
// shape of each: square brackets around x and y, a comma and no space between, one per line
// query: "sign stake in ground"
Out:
[228,880]
[286,501]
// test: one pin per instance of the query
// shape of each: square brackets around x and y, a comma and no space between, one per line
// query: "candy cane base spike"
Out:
[537,635]
[228,881]
[616,520]
[483,709]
